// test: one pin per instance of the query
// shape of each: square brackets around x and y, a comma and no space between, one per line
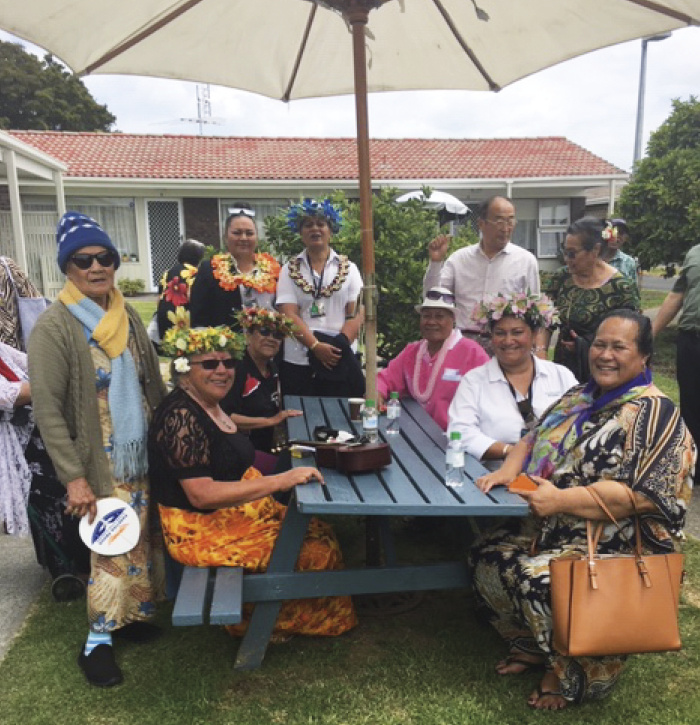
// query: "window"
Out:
[116,216]
[553,221]
[262,208]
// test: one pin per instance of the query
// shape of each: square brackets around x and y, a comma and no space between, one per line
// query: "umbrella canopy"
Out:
[307,48]
[438,200]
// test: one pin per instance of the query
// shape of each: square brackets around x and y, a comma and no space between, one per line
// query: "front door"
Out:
[164,235]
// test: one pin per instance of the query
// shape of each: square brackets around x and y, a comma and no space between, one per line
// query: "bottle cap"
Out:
[394,395]
[369,403]
[455,436]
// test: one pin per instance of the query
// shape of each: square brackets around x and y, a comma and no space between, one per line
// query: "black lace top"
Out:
[184,442]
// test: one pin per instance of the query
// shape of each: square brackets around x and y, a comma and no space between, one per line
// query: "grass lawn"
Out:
[652,298]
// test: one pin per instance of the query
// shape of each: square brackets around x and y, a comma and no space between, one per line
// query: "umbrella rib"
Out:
[300,54]
[663,10]
[142,35]
[458,37]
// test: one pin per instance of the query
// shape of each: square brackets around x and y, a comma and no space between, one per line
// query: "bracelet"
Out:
[314,345]
[506,448]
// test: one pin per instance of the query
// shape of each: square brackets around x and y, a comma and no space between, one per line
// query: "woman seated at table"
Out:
[430,370]
[319,290]
[618,430]
[254,401]
[496,404]
[216,510]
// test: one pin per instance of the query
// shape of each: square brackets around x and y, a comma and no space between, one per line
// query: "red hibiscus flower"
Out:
[176,292]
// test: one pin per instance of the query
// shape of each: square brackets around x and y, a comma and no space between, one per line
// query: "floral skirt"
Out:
[245,536]
[513,589]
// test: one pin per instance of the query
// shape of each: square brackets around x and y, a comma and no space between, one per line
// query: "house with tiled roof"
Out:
[151,192]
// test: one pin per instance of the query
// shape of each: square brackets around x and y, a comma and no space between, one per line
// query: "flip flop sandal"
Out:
[517,659]
[546,693]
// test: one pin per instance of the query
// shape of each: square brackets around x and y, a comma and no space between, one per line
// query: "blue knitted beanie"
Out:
[76,231]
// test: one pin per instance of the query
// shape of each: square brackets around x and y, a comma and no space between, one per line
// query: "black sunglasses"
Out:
[444,296]
[267,332]
[84,261]
[229,363]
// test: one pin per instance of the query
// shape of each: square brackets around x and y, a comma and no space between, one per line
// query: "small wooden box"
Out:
[354,459]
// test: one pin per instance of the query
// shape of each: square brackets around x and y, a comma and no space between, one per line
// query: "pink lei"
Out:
[424,397]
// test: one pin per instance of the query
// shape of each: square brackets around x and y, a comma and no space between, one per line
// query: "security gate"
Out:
[164,235]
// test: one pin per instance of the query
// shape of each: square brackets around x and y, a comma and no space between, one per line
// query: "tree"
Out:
[662,202]
[401,236]
[44,95]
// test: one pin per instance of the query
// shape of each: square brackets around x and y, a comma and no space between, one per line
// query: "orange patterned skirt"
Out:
[245,536]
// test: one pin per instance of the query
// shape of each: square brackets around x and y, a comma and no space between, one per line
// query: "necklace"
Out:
[214,412]
[424,396]
[294,267]
[262,278]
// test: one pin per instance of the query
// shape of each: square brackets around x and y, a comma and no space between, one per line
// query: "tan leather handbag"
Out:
[615,604]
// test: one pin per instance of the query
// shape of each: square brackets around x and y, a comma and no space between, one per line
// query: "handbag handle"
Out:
[592,540]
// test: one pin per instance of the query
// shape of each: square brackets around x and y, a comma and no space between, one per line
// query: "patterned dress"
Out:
[638,440]
[185,443]
[581,310]
[123,589]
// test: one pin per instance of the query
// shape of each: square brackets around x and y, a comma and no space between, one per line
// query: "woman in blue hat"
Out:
[95,380]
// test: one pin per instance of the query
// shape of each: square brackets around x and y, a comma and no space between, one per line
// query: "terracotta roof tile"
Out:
[134,156]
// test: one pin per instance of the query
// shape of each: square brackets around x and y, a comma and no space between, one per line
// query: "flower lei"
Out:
[312,208]
[250,317]
[610,232]
[424,397]
[182,341]
[294,267]
[263,278]
[536,310]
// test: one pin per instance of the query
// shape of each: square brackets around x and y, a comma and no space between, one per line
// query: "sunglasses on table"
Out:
[444,296]
[84,260]
[229,363]
[268,332]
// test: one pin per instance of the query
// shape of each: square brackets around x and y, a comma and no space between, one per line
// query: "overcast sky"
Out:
[591,100]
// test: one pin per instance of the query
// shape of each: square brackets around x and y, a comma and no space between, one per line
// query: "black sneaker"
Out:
[140,632]
[99,666]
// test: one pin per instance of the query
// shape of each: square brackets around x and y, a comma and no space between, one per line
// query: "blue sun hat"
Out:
[76,231]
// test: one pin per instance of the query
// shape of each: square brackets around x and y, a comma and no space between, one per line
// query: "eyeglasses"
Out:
[229,363]
[238,211]
[267,332]
[84,261]
[503,222]
[444,296]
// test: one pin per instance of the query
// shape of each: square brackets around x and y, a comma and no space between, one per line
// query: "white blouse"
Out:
[16,360]
[484,411]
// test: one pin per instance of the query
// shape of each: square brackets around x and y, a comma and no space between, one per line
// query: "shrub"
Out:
[131,287]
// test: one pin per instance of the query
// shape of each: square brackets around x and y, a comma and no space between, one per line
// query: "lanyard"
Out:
[524,406]
[318,286]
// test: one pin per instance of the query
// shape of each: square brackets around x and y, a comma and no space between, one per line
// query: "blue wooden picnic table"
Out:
[412,485]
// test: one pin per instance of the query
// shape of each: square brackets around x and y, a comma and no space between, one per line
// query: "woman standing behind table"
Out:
[216,508]
[584,291]
[618,431]
[319,289]
[95,380]
[429,371]
[498,403]
[234,279]
[254,402]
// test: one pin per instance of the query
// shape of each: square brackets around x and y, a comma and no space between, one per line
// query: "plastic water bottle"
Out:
[393,415]
[370,421]
[454,462]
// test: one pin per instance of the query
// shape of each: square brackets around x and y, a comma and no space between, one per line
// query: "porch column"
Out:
[60,194]
[16,209]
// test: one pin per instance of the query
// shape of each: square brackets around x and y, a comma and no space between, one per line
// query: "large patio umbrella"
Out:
[290,49]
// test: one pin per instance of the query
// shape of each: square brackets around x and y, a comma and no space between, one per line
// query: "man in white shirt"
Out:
[482,270]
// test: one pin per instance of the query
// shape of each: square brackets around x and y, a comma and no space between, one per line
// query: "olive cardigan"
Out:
[62,379]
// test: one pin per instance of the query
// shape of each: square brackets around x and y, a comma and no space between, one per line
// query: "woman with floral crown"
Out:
[216,509]
[237,278]
[254,402]
[496,404]
[319,290]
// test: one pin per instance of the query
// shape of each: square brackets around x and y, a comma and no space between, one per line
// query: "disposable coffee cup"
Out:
[356,408]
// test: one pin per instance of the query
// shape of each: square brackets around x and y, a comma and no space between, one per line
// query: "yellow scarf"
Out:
[112,331]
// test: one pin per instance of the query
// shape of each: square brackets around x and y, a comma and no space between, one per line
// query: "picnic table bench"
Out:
[412,485]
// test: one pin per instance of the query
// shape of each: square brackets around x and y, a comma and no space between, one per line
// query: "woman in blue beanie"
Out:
[95,380]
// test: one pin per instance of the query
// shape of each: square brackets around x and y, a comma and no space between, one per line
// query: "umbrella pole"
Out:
[357,17]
